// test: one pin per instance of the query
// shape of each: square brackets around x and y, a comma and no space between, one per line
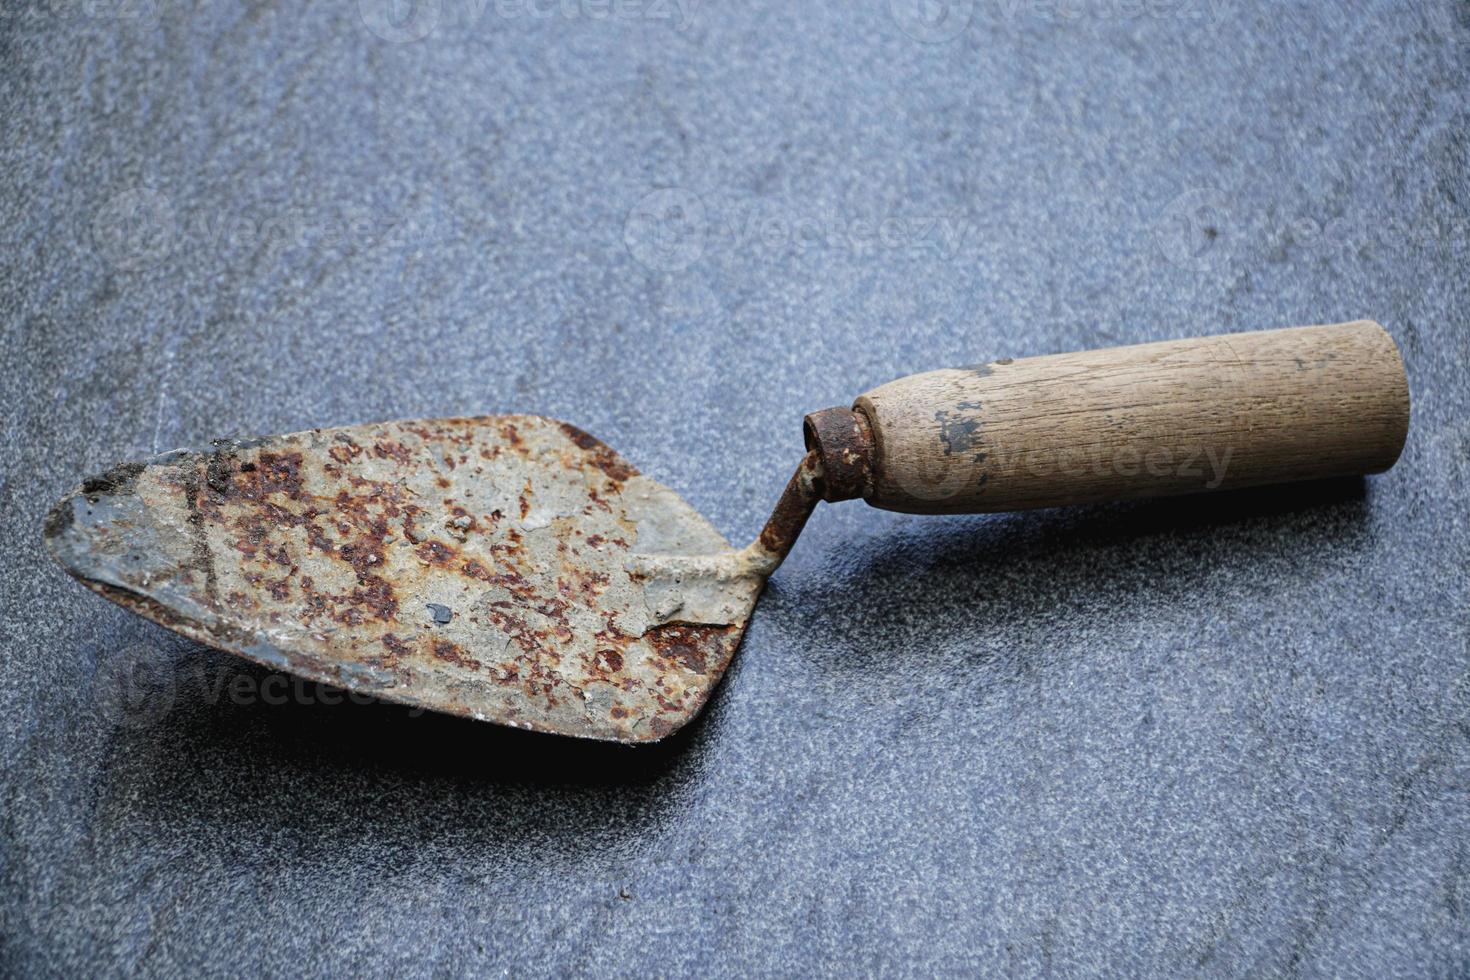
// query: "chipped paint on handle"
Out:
[504,568]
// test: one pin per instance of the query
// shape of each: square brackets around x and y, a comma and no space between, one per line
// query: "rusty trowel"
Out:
[515,569]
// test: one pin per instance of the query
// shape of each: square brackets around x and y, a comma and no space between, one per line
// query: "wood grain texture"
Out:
[1175,417]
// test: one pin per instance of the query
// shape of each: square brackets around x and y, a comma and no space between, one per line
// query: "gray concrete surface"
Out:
[1220,737]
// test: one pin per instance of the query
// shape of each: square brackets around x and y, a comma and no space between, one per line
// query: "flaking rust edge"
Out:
[492,567]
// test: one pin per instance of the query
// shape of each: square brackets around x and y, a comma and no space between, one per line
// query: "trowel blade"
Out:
[485,567]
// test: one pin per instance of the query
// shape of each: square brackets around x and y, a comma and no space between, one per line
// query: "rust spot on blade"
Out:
[602,455]
[691,647]
[435,552]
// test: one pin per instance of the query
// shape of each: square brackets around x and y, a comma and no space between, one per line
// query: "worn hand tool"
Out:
[514,569]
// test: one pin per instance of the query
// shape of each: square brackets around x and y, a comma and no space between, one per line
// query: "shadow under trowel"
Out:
[359,772]
[386,774]
[935,577]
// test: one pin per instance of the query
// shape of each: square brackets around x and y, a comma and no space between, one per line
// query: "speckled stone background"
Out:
[1224,736]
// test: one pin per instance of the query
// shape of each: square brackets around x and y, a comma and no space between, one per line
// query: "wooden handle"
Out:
[1175,417]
